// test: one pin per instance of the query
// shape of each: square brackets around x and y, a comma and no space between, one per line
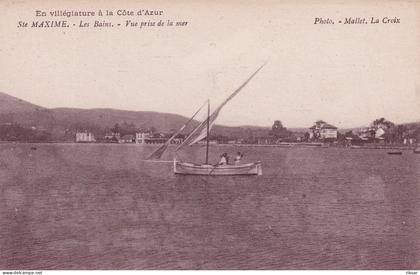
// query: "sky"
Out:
[347,75]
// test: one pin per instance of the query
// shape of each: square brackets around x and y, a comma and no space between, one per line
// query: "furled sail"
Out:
[200,132]
[157,154]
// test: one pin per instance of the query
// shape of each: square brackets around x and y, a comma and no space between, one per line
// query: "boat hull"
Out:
[185,168]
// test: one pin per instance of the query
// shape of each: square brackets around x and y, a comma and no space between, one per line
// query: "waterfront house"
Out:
[85,136]
[157,138]
[266,140]
[372,134]
[352,139]
[323,131]
[142,138]
[379,133]
[127,139]
[112,137]
[367,134]
[298,137]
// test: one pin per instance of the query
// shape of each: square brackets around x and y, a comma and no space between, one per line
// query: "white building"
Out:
[379,133]
[127,139]
[142,137]
[85,137]
[323,131]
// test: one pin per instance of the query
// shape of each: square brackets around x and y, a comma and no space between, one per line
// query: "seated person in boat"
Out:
[238,158]
[223,159]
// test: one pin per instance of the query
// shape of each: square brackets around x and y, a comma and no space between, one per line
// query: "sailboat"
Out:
[202,132]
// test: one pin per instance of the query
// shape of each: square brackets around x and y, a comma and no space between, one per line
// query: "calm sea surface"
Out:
[92,206]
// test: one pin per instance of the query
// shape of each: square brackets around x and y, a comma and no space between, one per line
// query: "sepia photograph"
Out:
[209,135]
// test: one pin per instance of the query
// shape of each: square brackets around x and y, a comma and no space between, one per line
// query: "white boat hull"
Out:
[185,168]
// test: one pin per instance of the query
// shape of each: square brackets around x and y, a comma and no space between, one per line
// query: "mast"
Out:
[158,152]
[208,130]
[201,131]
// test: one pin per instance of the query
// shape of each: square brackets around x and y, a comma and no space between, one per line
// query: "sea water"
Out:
[100,206]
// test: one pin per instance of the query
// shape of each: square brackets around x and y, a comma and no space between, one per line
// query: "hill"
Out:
[11,104]
[63,122]
[16,110]
[106,118]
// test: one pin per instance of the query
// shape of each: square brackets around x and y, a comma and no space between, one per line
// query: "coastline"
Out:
[281,145]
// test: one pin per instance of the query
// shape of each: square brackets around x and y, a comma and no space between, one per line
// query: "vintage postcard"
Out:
[234,135]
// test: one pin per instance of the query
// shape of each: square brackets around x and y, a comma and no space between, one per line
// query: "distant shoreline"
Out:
[282,145]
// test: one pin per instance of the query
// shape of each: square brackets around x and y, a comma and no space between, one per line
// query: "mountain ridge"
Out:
[61,120]
[13,104]
[99,120]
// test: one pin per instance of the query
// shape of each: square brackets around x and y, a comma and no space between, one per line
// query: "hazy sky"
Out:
[347,75]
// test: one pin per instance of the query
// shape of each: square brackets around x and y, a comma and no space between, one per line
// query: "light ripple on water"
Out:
[92,206]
